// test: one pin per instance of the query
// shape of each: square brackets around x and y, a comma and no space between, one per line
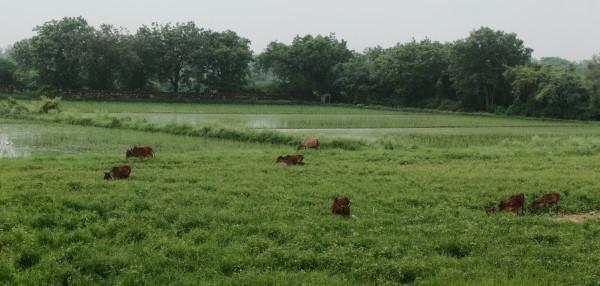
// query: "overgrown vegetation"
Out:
[49,105]
[12,107]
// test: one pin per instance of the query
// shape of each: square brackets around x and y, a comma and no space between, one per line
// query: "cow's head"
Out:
[281,159]
[129,153]
[502,205]
[107,176]
[299,146]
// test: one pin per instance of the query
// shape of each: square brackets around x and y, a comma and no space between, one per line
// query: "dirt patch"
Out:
[578,218]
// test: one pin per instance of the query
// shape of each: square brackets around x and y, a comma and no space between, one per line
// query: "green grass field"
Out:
[212,208]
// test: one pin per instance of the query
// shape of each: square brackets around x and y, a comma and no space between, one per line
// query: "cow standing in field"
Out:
[309,143]
[291,159]
[546,200]
[145,151]
[341,206]
[513,204]
[118,172]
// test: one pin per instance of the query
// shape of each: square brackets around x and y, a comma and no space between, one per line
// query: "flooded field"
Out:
[402,122]
[26,139]
[16,141]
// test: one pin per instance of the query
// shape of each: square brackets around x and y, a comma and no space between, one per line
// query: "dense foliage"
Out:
[486,71]
[71,54]
[306,66]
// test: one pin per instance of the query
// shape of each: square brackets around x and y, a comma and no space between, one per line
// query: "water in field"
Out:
[12,144]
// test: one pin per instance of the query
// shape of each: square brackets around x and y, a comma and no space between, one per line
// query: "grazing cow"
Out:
[118,172]
[489,209]
[309,143]
[546,201]
[514,203]
[341,205]
[145,151]
[291,159]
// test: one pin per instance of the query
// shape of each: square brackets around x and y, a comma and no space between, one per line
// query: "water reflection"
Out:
[8,149]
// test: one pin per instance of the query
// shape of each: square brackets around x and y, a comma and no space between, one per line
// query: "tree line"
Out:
[490,70]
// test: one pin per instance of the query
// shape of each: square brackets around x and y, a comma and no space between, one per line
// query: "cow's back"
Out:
[120,172]
[546,200]
[145,151]
[514,203]
[308,143]
[291,159]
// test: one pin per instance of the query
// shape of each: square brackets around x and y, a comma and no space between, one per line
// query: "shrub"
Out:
[49,104]
[12,107]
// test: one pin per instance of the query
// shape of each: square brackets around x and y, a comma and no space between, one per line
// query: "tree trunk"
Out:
[489,100]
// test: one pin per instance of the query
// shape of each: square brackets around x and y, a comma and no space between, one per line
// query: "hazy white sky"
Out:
[562,28]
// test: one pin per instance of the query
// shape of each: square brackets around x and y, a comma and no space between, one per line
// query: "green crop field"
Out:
[213,208]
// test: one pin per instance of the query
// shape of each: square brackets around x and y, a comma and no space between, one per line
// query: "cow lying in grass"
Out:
[291,159]
[513,204]
[145,151]
[118,172]
[545,201]
[341,206]
[309,143]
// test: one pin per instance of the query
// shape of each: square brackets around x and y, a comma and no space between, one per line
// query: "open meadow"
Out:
[213,208]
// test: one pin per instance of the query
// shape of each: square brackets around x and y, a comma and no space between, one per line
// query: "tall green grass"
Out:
[217,210]
[225,215]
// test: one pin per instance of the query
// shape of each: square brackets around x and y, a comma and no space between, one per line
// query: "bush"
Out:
[49,104]
[12,107]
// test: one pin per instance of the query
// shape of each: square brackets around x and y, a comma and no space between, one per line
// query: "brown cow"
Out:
[309,143]
[145,151]
[514,203]
[118,172]
[489,209]
[546,200]
[291,159]
[341,205]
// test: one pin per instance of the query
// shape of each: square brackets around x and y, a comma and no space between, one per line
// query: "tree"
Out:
[556,61]
[224,64]
[548,91]
[563,63]
[413,73]
[140,55]
[354,78]
[8,71]
[174,47]
[55,53]
[307,66]
[592,75]
[103,58]
[477,64]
